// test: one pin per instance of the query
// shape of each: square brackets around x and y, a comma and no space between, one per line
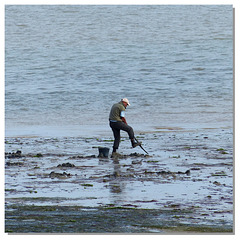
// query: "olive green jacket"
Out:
[115,113]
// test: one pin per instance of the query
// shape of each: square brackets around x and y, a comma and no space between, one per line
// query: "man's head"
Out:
[125,102]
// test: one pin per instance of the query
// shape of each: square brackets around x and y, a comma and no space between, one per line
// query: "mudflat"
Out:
[60,184]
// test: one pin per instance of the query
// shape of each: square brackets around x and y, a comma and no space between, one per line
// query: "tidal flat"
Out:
[60,185]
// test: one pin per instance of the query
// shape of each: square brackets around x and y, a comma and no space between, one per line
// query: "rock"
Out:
[164,172]
[14,163]
[59,175]
[137,162]
[138,155]
[217,183]
[66,165]
[17,154]
[169,172]
[82,157]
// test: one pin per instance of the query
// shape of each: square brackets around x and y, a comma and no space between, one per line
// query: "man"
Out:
[118,122]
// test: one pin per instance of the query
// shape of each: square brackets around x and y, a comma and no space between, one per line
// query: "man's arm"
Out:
[122,115]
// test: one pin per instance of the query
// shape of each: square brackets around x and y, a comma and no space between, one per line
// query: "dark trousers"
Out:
[116,127]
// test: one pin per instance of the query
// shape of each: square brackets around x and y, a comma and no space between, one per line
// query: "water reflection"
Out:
[116,185]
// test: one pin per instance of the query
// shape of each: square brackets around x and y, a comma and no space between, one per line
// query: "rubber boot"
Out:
[135,144]
[115,154]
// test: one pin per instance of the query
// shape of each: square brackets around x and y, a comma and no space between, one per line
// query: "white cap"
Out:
[126,101]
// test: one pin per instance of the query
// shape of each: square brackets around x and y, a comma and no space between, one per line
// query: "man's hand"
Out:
[124,120]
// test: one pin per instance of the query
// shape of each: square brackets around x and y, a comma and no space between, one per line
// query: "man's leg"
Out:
[126,128]
[117,137]
[116,134]
[129,130]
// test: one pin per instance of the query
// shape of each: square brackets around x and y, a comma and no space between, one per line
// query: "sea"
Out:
[66,65]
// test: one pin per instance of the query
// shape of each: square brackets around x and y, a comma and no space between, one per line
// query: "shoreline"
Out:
[101,130]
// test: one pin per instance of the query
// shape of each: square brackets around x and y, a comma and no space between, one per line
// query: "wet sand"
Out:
[184,184]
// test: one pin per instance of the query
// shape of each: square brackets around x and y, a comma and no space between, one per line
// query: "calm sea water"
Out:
[66,65]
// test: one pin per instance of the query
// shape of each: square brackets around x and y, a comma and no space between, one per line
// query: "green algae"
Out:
[38,155]
[194,229]
[79,219]
[87,185]
[220,173]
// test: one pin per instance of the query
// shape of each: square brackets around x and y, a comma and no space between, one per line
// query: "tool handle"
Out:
[141,146]
[135,139]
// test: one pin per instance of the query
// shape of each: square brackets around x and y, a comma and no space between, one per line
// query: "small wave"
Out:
[204,105]
[146,69]
[70,11]
[57,92]
[183,60]
[198,69]
[222,38]
[21,25]
[36,68]
[23,109]
[42,88]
